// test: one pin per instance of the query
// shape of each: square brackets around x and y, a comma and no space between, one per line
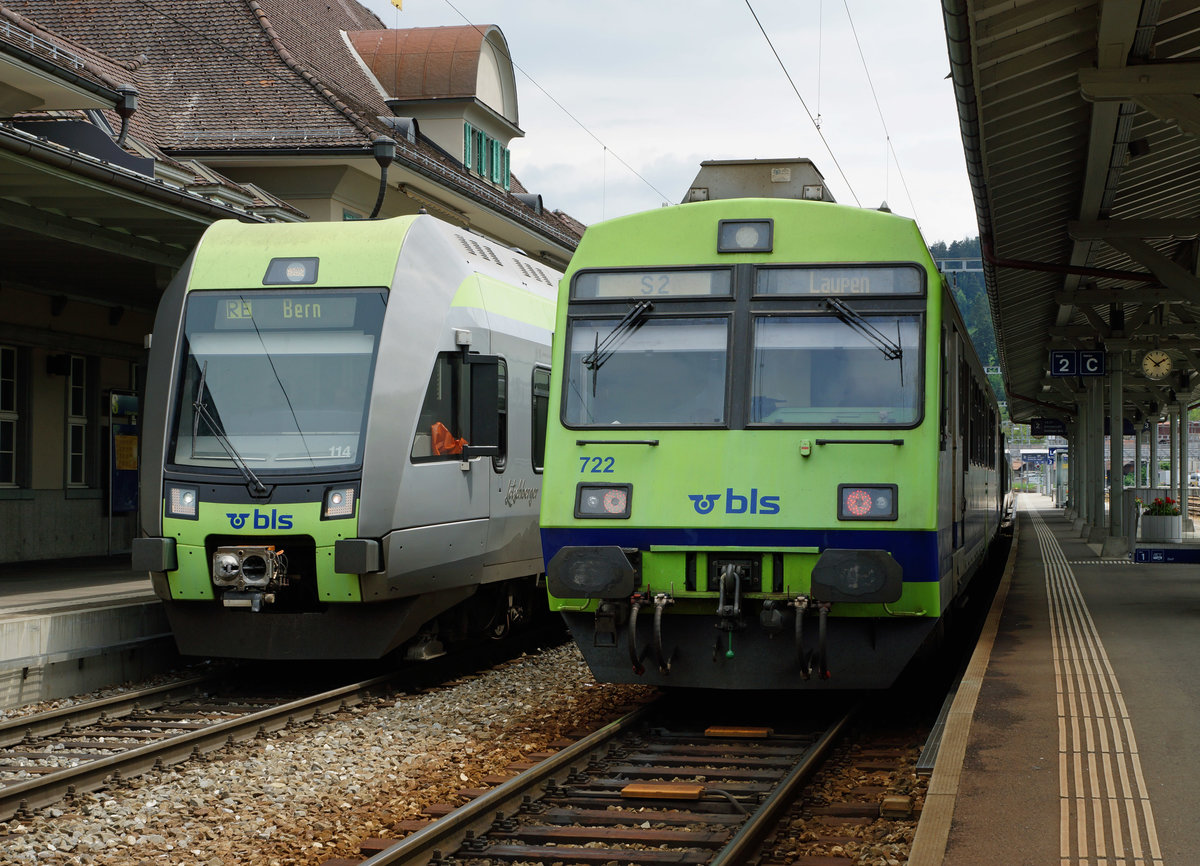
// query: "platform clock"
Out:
[1156,364]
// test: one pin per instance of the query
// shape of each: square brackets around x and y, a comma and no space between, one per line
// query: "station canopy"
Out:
[1080,123]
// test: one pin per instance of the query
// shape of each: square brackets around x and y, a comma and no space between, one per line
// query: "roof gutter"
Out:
[14,21]
[21,144]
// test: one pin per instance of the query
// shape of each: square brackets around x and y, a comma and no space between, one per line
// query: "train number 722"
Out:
[597,464]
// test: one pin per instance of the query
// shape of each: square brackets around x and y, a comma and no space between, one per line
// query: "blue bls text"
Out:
[735,503]
[262,520]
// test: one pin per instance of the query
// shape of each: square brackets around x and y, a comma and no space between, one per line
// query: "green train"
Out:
[774,460]
[342,440]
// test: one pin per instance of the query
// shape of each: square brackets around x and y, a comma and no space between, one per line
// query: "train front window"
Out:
[827,371]
[659,372]
[277,381]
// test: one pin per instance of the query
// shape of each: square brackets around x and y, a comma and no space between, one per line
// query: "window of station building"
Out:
[10,416]
[486,156]
[541,411]
[77,422]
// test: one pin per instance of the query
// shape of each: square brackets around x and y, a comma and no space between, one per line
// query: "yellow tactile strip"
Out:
[1104,803]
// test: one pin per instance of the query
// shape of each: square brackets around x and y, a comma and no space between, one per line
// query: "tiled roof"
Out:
[427,63]
[70,57]
[212,75]
[216,76]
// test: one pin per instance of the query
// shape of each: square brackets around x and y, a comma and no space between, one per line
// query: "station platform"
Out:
[68,627]
[1074,738]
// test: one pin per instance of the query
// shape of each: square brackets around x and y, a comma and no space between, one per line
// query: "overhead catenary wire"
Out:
[803,104]
[608,151]
[887,135]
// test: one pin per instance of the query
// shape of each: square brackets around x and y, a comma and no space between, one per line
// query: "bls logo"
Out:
[735,503]
[262,520]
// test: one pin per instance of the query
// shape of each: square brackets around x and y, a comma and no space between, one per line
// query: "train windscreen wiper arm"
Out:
[893,351]
[620,332]
[612,341]
[202,411]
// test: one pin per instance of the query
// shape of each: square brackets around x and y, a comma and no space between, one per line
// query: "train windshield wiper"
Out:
[202,411]
[892,350]
[620,332]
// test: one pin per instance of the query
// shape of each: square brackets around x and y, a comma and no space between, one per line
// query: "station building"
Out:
[125,130]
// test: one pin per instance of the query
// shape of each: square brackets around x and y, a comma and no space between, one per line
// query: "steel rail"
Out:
[446,834]
[443,837]
[42,791]
[762,821]
[13,730]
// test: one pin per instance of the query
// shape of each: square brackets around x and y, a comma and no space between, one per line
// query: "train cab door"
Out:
[514,545]
[449,482]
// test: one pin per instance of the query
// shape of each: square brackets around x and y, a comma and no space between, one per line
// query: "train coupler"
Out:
[729,600]
[252,600]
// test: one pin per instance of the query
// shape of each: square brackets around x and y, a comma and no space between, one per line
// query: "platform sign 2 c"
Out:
[1077,362]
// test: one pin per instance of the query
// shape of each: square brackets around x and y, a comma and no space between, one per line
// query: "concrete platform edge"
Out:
[933,830]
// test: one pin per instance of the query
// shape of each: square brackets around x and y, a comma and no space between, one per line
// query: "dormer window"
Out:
[486,156]
[457,82]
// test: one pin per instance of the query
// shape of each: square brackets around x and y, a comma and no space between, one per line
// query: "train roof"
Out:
[810,231]
[233,254]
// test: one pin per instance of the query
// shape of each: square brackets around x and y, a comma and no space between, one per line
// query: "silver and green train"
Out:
[343,435]
[774,460]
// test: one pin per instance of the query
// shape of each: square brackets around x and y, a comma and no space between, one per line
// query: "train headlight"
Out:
[867,502]
[610,501]
[183,502]
[338,503]
[291,272]
[745,236]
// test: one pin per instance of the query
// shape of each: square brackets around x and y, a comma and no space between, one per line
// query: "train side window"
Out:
[445,413]
[541,409]
[944,379]
[501,459]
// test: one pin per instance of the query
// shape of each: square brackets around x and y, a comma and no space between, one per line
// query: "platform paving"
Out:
[1084,744]
[73,626]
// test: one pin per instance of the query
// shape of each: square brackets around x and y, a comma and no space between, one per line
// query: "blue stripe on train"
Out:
[916,552]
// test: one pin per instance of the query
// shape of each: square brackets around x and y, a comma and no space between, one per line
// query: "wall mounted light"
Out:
[384,151]
[125,109]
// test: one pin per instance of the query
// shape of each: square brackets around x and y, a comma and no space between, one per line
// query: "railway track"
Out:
[46,757]
[49,756]
[643,789]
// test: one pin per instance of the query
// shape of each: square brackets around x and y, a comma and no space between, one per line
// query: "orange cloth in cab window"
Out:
[445,442]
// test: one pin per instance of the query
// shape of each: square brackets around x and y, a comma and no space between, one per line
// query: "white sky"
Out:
[665,84]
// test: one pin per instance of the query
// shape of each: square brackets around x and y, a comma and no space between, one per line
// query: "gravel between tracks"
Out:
[313,793]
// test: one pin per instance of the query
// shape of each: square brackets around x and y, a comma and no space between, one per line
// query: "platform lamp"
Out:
[125,109]
[384,150]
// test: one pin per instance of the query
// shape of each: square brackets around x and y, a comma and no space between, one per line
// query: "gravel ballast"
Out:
[309,794]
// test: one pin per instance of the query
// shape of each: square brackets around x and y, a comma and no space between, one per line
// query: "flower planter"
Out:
[1162,527]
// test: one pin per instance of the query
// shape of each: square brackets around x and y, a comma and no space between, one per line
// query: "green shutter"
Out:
[497,161]
[468,141]
[480,151]
[507,170]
